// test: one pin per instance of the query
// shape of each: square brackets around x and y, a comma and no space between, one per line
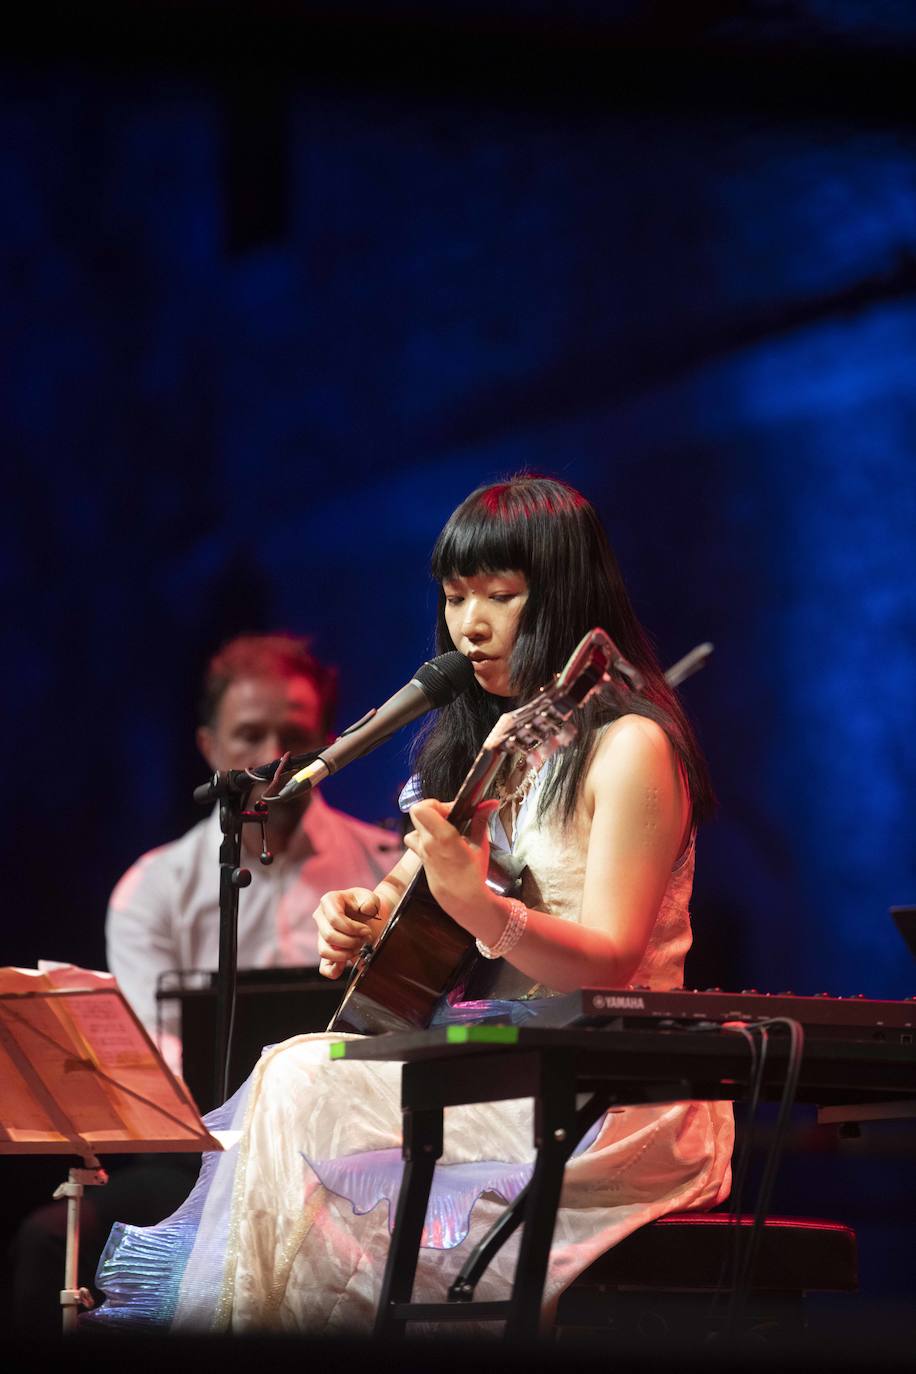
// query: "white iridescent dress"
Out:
[289,1230]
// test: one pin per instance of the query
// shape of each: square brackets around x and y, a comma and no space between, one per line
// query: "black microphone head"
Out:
[446,677]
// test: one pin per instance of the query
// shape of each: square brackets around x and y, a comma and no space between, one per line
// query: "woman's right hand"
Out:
[346,921]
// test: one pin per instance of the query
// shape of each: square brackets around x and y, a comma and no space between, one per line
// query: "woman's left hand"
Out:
[456,865]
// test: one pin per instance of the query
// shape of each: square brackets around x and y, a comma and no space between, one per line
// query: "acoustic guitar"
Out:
[422,953]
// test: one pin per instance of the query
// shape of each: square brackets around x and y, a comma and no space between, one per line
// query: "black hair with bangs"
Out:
[546,529]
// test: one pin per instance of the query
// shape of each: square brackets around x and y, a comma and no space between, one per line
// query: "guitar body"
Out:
[420,956]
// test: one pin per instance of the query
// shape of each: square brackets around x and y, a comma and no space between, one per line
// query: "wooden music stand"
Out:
[82,1077]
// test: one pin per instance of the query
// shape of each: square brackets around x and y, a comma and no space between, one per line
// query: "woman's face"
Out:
[482,613]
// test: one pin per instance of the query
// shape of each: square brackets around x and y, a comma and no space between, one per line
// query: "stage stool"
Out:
[660,1281]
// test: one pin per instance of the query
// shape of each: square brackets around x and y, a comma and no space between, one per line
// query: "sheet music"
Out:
[116,1041]
[77,1066]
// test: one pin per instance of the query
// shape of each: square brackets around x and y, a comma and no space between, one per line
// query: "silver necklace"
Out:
[522,788]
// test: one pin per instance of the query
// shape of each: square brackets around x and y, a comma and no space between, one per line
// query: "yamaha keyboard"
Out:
[858,1060]
[843,1018]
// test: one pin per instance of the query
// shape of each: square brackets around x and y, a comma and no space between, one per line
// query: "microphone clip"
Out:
[259,814]
[237,782]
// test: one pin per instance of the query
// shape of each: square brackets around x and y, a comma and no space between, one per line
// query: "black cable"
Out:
[731,1252]
[793,1070]
[790,1086]
[741,1242]
[230,1031]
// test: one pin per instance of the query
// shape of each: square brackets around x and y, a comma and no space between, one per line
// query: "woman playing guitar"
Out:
[605,833]
[525,570]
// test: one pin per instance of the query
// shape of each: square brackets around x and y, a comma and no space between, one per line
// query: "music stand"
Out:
[81,1076]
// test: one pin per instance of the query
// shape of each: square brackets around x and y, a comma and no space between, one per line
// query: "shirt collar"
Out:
[311,835]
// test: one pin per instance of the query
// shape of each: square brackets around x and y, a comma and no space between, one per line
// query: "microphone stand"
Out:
[231,788]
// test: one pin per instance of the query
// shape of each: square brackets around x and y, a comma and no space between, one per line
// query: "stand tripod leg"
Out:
[72,1297]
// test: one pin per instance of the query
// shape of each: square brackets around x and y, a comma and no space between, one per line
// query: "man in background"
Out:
[262,695]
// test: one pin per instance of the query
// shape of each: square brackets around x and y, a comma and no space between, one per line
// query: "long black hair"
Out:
[546,529]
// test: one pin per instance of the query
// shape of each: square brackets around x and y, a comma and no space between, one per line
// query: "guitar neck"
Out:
[474,787]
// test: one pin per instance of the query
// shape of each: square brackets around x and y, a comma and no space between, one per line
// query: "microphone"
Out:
[434,684]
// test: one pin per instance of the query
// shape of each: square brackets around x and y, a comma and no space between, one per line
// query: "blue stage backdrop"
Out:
[705,322]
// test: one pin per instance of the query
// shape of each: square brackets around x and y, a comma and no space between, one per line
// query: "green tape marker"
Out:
[482,1035]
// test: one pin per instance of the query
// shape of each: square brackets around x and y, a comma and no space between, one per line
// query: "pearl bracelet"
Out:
[513,932]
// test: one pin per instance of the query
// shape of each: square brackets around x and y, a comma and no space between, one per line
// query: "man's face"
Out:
[259,718]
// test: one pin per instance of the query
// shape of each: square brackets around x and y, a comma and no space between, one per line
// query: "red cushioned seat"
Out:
[685,1251]
[689,1253]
